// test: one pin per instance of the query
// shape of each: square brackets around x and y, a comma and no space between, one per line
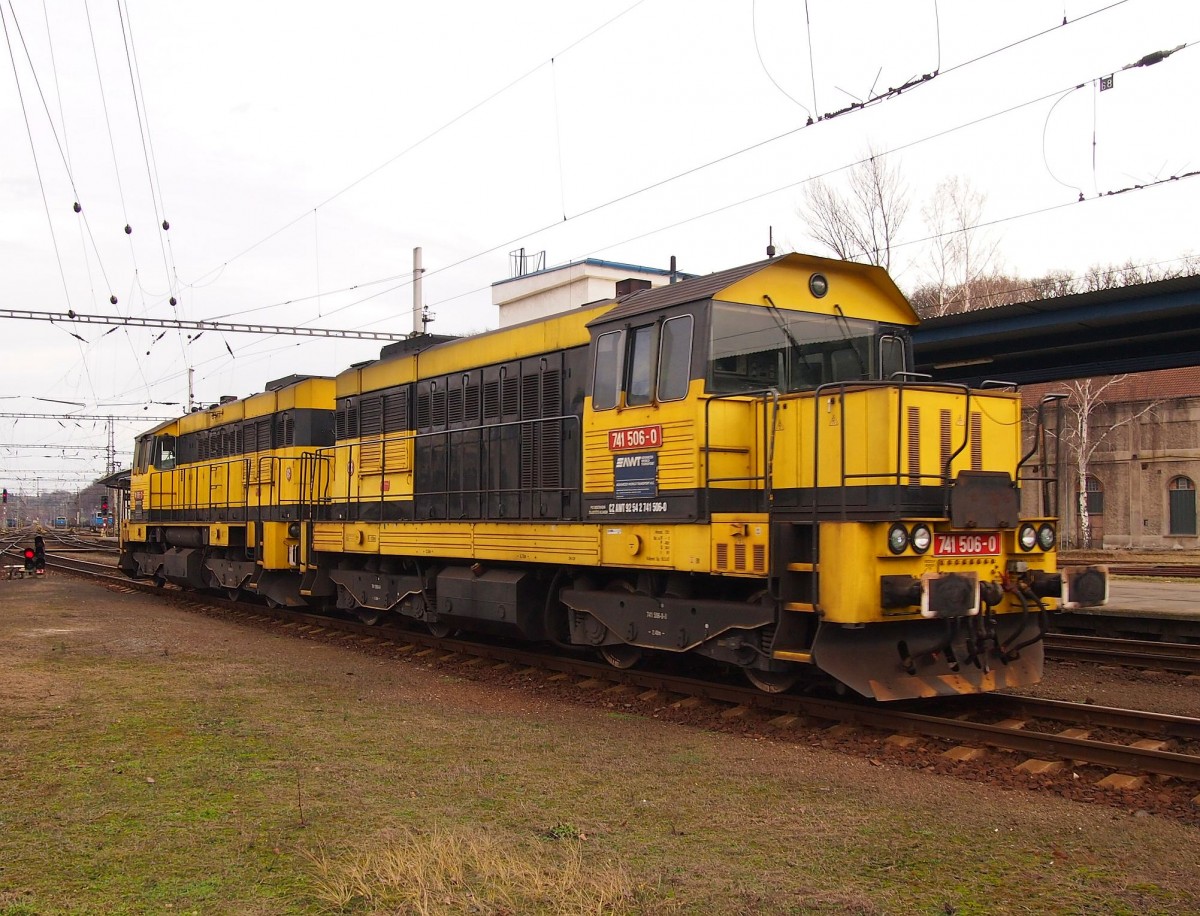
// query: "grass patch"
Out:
[455,870]
[256,775]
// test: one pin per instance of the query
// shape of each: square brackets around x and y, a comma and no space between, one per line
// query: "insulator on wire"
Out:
[128,229]
[166,225]
[112,299]
[77,208]
[174,301]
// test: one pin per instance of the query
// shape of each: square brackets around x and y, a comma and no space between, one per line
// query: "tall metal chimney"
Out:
[418,325]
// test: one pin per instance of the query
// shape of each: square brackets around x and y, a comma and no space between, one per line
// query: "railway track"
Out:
[1124,745]
[1182,658]
[1154,571]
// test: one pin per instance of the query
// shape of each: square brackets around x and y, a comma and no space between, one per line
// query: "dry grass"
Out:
[159,762]
[455,870]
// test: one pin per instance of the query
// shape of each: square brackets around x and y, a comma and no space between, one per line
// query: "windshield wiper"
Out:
[849,338]
[781,323]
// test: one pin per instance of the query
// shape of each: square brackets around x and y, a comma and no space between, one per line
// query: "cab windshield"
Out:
[753,348]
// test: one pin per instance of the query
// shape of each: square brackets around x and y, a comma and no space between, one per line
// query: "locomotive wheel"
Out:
[772,681]
[440,629]
[621,655]
[233,594]
[369,616]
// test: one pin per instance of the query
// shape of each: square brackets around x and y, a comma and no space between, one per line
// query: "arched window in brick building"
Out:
[1182,494]
[1095,496]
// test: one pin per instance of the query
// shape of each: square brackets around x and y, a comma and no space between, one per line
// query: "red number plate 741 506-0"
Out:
[966,545]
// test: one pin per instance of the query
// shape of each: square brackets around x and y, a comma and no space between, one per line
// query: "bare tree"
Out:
[962,260]
[1082,434]
[861,224]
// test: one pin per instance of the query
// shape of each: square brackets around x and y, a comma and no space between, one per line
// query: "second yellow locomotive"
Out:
[741,466]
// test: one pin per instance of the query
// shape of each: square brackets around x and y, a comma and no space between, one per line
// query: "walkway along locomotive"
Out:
[740,465]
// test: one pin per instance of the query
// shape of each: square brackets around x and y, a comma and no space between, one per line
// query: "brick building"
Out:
[1142,477]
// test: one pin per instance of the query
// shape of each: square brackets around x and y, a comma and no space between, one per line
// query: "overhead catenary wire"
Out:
[429,136]
[850,165]
[509,242]
[891,93]
[513,240]
[66,141]
[71,317]
[63,153]
[776,190]
[377,281]
[33,149]
[623,197]
[767,70]
[160,220]
[58,145]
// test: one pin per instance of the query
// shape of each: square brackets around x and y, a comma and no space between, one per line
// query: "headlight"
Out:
[921,538]
[897,539]
[1046,537]
[1027,537]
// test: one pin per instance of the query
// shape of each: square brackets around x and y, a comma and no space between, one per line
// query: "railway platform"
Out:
[1152,598]
[1141,608]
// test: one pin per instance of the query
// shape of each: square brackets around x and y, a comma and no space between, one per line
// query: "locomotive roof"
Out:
[709,286]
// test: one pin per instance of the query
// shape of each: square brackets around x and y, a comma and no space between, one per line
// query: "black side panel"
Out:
[464,403]
[502,440]
[541,436]
[576,363]
[313,427]
[432,453]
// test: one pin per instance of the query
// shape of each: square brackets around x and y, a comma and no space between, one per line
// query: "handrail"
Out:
[844,387]
[757,396]
[1039,434]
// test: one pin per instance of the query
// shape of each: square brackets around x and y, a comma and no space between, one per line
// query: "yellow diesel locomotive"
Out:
[741,466]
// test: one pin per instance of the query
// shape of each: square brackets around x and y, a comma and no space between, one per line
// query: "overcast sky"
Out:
[300,151]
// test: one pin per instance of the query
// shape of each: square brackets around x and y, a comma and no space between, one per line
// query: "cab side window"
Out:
[643,365]
[675,358]
[164,453]
[641,349]
[141,459]
[891,356]
[606,384]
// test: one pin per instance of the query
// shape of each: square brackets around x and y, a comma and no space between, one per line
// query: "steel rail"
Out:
[1135,653]
[937,719]
[1164,725]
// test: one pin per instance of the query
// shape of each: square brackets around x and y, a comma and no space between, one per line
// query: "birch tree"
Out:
[1082,434]
[961,266]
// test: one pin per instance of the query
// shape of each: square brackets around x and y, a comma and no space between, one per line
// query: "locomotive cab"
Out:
[777,475]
